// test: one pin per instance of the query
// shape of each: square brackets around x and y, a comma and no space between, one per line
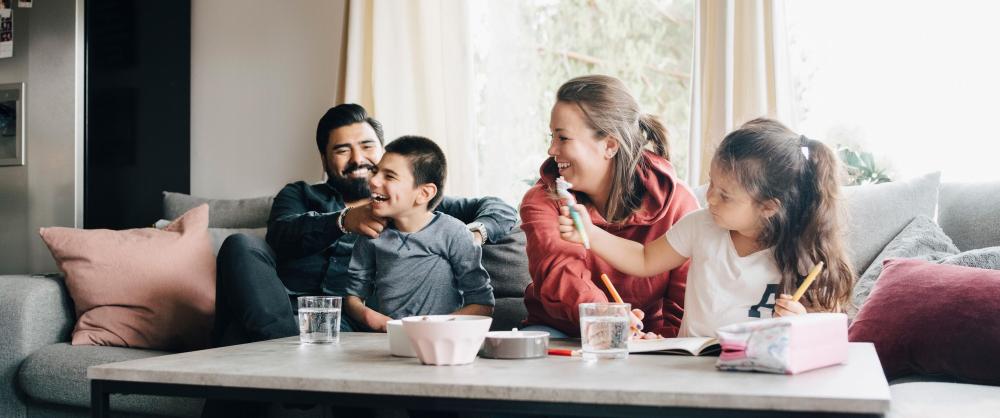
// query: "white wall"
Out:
[262,74]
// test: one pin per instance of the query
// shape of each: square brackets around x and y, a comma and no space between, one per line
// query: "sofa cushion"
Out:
[142,288]
[507,263]
[968,213]
[223,213]
[936,399]
[921,239]
[58,374]
[933,319]
[876,213]
[508,313]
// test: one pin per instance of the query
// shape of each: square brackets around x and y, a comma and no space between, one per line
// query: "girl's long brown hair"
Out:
[803,176]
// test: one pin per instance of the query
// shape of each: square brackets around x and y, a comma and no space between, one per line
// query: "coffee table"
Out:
[360,372]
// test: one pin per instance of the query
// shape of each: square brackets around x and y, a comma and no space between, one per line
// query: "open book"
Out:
[691,346]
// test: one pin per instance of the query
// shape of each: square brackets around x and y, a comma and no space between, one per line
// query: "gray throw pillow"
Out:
[877,213]
[222,213]
[982,258]
[970,214]
[220,234]
[922,239]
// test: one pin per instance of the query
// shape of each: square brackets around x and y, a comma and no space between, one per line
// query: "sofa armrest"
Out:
[35,311]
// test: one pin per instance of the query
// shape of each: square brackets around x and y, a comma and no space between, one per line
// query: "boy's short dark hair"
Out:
[343,115]
[426,162]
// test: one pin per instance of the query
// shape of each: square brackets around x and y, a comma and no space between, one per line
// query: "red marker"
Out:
[564,352]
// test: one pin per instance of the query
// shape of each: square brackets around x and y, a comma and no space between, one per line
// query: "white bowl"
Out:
[446,339]
[399,343]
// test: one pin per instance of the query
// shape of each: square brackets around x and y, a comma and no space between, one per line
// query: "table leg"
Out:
[100,400]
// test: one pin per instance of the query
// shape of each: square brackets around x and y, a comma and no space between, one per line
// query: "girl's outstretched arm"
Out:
[626,256]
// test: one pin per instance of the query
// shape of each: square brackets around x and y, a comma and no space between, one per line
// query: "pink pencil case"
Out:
[787,345]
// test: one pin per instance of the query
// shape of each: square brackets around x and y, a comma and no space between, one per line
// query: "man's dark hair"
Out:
[343,115]
[426,161]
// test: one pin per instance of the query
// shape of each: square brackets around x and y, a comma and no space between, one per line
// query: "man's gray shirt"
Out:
[433,271]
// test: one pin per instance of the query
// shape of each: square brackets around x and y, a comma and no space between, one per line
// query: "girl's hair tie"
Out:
[804,145]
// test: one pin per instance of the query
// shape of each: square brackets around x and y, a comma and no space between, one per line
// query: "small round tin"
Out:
[515,344]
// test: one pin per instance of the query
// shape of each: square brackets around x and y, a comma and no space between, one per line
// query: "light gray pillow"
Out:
[970,214]
[982,258]
[877,213]
[220,234]
[922,239]
[222,213]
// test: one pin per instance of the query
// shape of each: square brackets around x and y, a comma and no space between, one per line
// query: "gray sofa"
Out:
[42,375]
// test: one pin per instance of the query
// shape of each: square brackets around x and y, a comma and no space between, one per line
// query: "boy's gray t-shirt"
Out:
[433,271]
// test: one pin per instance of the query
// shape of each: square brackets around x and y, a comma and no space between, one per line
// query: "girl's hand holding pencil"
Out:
[788,305]
[571,230]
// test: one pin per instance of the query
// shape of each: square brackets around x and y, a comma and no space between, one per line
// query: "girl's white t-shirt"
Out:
[722,287]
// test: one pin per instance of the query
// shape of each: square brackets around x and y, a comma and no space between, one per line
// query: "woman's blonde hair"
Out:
[610,109]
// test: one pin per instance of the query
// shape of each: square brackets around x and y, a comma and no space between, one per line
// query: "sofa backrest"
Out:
[969,213]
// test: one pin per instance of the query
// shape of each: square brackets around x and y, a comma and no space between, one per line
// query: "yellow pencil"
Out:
[808,281]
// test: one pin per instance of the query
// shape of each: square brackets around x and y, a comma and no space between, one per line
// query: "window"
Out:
[525,50]
[915,83]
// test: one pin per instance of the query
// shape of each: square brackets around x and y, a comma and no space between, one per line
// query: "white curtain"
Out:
[740,73]
[410,64]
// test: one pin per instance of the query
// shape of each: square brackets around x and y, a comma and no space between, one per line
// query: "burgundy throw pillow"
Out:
[934,319]
[142,288]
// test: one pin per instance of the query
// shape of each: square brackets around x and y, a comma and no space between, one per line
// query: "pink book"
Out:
[787,345]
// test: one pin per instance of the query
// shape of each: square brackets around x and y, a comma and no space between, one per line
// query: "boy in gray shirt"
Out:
[423,262]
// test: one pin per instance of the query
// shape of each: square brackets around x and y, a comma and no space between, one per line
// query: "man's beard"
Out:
[351,189]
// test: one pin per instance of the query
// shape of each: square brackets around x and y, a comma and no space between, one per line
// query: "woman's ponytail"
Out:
[656,134]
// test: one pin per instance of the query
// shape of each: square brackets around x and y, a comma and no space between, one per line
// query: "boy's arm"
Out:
[471,279]
[355,308]
[625,255]
[361,278]
[474,309]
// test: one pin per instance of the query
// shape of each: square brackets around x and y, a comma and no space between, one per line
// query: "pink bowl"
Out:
[446,340]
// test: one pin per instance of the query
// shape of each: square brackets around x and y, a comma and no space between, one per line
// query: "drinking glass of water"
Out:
[319,319]
[604,330]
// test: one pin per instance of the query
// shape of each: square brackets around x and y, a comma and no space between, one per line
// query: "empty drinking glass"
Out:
[319,319]
[604,330]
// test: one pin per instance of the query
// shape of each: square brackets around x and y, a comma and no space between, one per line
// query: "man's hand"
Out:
[477,238]
[361,220]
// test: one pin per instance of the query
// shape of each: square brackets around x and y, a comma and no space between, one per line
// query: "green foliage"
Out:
[647,44]
[861,167]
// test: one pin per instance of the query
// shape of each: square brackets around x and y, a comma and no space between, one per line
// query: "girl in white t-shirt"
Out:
[772,214]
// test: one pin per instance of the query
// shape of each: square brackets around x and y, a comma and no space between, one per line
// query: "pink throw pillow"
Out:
[934,319]
[141,288]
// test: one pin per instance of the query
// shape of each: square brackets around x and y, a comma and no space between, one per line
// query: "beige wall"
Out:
[262,73]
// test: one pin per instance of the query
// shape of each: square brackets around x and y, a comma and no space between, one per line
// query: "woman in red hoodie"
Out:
[617,159]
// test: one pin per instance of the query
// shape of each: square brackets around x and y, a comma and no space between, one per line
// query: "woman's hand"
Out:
[567,227]
[785,306]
